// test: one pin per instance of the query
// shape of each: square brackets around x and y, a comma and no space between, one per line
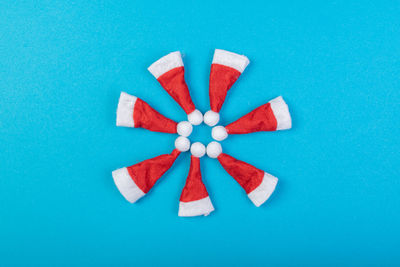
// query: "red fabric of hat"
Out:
[194,199]
[258,184]
[225,70]
[271,116]
[170,73]
[134,112]
[135,181]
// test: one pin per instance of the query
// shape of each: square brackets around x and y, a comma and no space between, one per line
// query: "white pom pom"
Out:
[214,149]
[184,128]
[211,118]
[219,133]
[182,144]
[198,149]
[195,117]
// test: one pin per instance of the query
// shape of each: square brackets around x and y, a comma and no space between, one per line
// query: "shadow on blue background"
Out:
[62,67]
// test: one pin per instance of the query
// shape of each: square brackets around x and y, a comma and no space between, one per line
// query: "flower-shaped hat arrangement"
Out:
[136,181]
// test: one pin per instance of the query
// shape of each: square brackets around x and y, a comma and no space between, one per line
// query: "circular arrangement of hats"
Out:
[137,180]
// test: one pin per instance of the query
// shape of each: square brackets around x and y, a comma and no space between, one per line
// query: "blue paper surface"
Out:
[63,65]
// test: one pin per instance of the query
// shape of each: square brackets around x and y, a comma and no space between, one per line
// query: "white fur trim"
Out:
[166,63]
[259,195]
[236,61]
[198,149]
[281,112]
[211,118]
[214,149]
[195,117]
[184,128]
[219,133]
[126,185]
[195,208]
[182,144]
[125,108]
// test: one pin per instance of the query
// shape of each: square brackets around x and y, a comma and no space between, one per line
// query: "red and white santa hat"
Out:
[258,184]
[170,73]
[225,70]
[194,200]
[134,112]
[136,181]
[271,116]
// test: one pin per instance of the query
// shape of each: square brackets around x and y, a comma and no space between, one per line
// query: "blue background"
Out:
[63,65]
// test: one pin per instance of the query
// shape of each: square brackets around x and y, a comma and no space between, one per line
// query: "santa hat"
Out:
[258,184]
[194,200]
[225,70]
[170,73]
[135,181]
[271,116]
[134,112]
